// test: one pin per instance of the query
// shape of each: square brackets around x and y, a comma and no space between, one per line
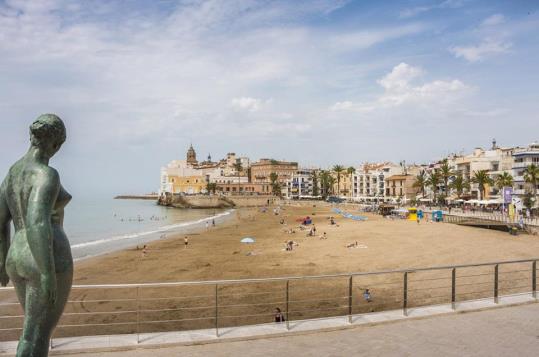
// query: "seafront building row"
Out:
[369,182]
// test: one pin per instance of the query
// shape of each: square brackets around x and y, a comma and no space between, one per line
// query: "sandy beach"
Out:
[216,253]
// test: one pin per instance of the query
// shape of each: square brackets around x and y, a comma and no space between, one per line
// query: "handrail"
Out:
[284,279]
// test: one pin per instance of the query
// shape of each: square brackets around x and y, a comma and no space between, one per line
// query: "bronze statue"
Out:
[39,261]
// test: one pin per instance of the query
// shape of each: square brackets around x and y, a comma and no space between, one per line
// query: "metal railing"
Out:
[176,306]
[492,216]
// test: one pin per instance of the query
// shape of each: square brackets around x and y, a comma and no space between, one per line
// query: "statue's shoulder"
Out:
[47,175]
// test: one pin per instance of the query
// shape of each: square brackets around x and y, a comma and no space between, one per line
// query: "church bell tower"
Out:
[191,156]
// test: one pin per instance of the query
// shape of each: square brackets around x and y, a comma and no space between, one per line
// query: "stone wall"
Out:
[203,201]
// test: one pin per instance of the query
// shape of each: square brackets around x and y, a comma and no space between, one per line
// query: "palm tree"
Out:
[421,182]
[338,169]
[239,168]
[275,186]
[504,180]
[433,181]
[446,173]
[350,171]
[459,184]
[331,184]
[481,178]
[314,176]
[324,182]
[531,176]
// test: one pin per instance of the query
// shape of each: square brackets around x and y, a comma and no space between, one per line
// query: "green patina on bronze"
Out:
[38,260]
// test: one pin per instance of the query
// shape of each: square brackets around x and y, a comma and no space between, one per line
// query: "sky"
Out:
[318,82]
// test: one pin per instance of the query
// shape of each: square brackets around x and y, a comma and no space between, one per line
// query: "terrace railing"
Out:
[175,306]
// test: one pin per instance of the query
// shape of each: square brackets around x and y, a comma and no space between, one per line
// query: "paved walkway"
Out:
[508,331]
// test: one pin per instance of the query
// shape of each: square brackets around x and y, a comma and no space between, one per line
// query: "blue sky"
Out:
[319,82]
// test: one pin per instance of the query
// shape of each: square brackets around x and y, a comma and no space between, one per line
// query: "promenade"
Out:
[509,331]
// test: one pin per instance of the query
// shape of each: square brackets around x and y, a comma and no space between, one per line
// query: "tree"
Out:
[459,184]
[445,174]
[314,176]
[504,180]
[211,187]
[338,169]
[528,199]
[531,176]
[433,181]
[351,171]
[239,168]
[482,179]
[324,182]
[275,186]
[421,181]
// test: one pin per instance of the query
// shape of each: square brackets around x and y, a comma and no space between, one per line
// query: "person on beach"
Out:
[213,222]
[314,230]
[367,295]
[185,242]
[144,251]
[207,225]
[279,317]
[324,236]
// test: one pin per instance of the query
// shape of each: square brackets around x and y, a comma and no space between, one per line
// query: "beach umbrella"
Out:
[248,240]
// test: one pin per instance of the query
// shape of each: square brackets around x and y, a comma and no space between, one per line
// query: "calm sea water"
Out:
[99,225]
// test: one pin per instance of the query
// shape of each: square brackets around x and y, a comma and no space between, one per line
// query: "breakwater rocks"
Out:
[213,201]
[136,197]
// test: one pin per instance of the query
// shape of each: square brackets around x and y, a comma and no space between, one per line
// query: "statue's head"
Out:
[48,133]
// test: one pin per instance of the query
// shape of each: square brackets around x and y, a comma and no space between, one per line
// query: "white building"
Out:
[369,181]
[300,185]
[523,158]
[495,161]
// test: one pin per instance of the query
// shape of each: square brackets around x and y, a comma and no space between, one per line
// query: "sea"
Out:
[96,225]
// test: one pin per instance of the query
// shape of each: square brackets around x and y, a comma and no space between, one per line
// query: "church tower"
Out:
[191,156]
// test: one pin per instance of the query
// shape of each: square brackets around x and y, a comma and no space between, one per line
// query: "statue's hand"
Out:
[49,287]
[4,278]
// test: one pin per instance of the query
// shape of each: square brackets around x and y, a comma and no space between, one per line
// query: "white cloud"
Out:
[493,20]
[399,90]
[447,4]
[247,103]
[364,39]
[476,53]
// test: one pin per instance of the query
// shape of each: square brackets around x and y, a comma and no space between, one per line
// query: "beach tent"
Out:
[247,240]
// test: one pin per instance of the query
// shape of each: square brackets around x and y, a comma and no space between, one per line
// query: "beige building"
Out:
[261,170]
[245,188]
[187,184]
[495,160]
[400,186]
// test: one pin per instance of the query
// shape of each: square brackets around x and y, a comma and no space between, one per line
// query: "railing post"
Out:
[496,283]
[350,299]
[287,304]
[453,288]
[405,295]
[216,310]
[534,279]
[138,316]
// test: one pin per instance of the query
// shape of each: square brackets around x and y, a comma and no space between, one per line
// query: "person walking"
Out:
[185,242]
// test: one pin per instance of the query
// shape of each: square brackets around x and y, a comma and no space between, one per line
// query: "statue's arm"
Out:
[38,225]
[5,239]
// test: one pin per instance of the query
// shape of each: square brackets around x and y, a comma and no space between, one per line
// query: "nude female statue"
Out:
[38,260]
